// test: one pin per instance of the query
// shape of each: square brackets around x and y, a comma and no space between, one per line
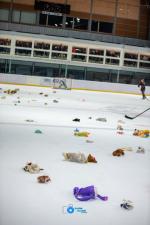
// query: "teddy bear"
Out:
[43,179]
[91,158]
[141,133]
[79,157]
[32,168]
[118,152]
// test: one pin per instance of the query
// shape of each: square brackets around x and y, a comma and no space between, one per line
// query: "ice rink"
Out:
[23,201]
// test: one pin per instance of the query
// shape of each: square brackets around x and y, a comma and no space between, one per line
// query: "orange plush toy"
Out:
[43,179]
[91,158]
[118,152]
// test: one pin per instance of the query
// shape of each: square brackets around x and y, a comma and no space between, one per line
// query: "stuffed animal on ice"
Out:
[87,193]
[140,150]
[10,92]
[119,127]
[32,168]
[89,141]
[43,179]
[118,152]
[127,204]
[141,133]
[79,157]
[82,134]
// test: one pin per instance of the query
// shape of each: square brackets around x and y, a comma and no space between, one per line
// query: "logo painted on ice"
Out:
[70,209]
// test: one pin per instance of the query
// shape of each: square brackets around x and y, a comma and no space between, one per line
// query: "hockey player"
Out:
[142,85]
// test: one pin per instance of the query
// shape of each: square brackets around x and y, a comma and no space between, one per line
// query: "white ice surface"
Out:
[23,201]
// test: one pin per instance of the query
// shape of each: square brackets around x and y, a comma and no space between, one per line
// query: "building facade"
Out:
[83,39]
[116,17]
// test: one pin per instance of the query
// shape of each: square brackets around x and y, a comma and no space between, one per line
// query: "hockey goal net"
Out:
[62,83]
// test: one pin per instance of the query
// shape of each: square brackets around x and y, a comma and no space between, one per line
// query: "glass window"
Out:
[126,77]
[81,58]
[4,50]
[4,41]
[4,14]
[79,50]
[4,66]
[105,27]
[41,45]
[59,56]
[28,17]
[55,21]
[145,65]
[145,57]
[22,52]
[76,72]
[41,54]
[21,67]
[16,16]
[95,60]
[129,77]
[100,74]
[69,22]
[47,70]
[112,61]
[130,63]
[81,24]
[96,51]
[40,71]
[60,47]
[24,44]
[43,19]
[94,25]
[112,53]
[128,55]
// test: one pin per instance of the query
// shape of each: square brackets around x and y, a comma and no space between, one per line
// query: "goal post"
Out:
[62,83]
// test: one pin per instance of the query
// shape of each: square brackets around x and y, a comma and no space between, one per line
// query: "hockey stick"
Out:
[129,117]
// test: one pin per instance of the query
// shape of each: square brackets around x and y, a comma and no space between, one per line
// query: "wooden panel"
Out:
[126,21]
[24,2]
[130,2]
[128,11]
[5,0]
[4,5]
[23,7]
[127,34]
[144,22]
[103,18]
[106,7]
[56,1]
[79,5]
[79,14]
[31,2]
[142,36]
[126,27]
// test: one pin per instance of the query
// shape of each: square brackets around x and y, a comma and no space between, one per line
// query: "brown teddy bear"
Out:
[43,179]
[118,152]
[91,158]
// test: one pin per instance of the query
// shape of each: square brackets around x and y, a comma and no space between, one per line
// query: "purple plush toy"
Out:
[87,193]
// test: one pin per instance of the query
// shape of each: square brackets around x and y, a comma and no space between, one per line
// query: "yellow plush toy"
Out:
[82,134]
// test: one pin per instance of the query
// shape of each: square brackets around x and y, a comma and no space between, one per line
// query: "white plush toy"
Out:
[140,150]
[32,168]
[75,157]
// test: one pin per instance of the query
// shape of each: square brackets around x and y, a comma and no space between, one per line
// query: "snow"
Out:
[23,201]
